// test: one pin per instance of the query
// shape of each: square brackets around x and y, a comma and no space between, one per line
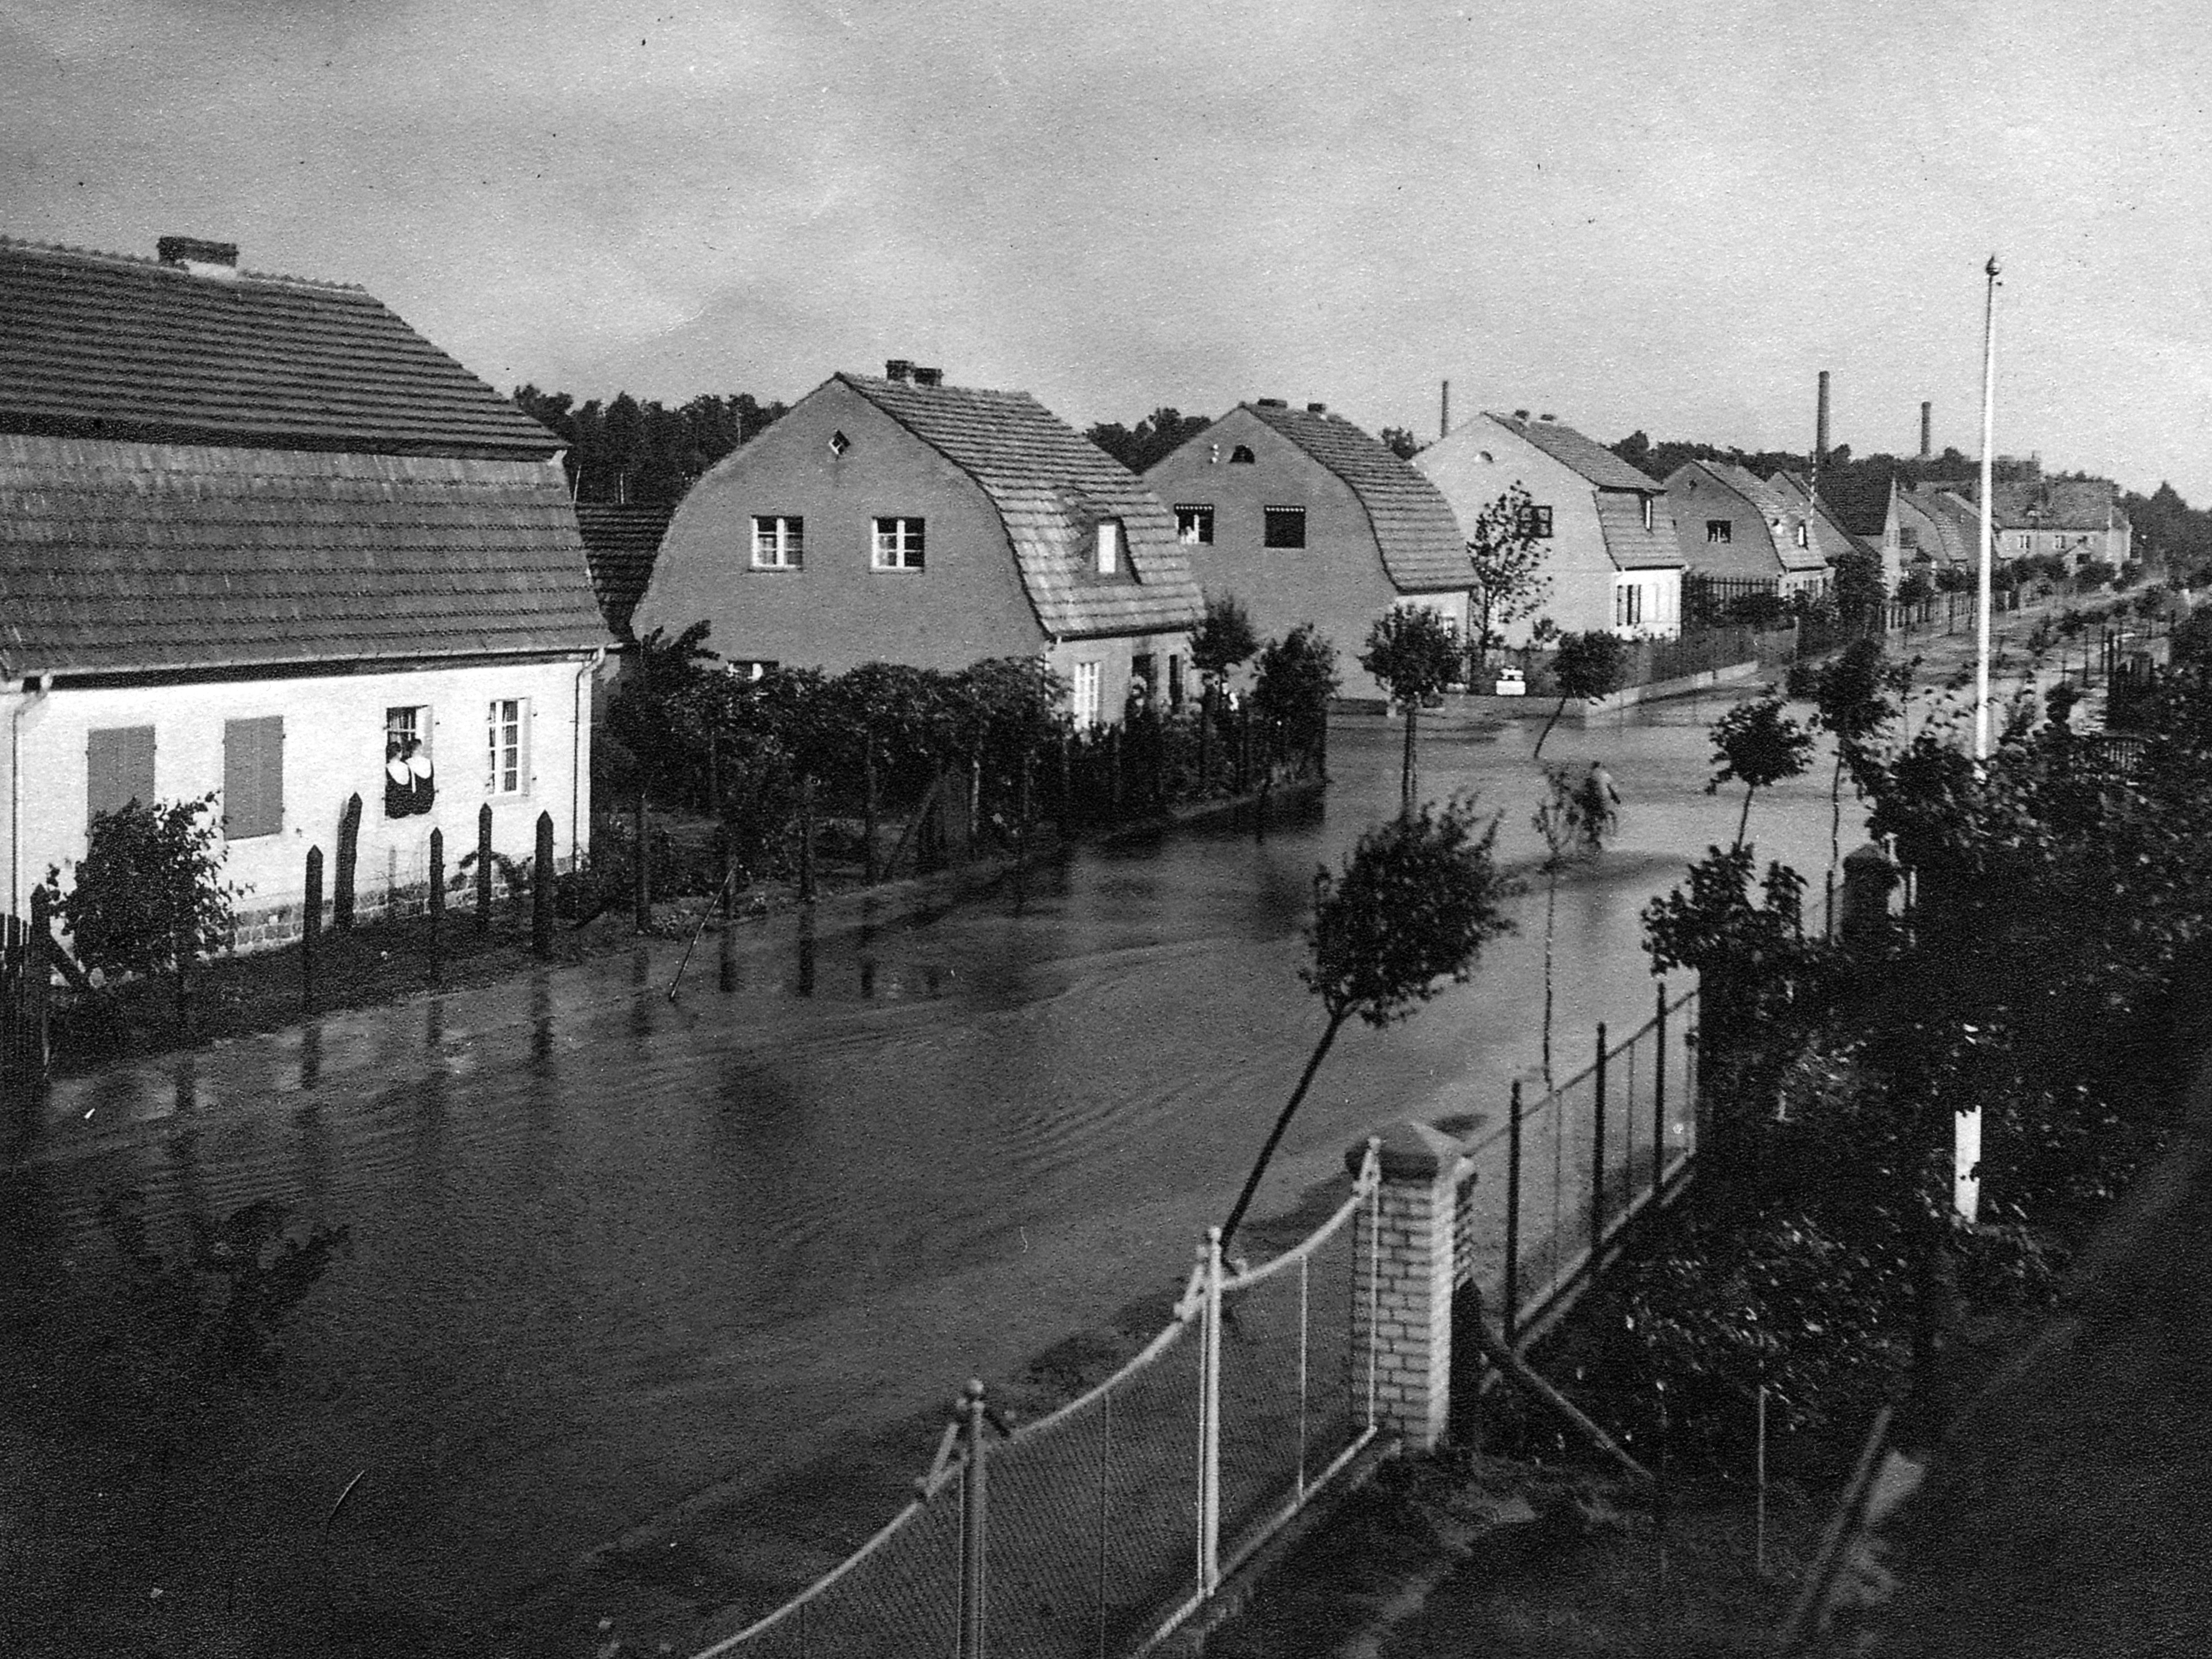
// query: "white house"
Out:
[258,539]
[1609,551]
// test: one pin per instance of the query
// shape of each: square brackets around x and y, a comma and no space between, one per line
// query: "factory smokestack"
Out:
[1444,415]
[1820,426]
[1927,442]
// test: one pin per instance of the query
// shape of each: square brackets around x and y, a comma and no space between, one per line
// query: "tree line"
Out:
[629,449]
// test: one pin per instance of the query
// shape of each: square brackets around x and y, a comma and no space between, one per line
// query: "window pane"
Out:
[1286,527]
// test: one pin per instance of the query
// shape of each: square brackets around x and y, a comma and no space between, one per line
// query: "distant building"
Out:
[1929,528]
[1829,538]
[1608,538]
[2078,520]
[1732,528]
[1304,518]
[258,538]
[900,520]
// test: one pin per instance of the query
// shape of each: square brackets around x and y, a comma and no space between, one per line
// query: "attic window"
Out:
[1536,523]
[1194,523]
[1284,526]
[1109,547]
[1800,535]
[839,443]
[1647,513]
[1241,456]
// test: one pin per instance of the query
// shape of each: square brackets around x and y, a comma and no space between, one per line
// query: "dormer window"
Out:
[1241,456]
[1800,535]
[1109,547]
[1647,513]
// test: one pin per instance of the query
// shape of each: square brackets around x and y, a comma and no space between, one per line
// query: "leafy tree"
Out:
[658,712]
[1151,441]
[640,451]
[1222,639]
[1510,582]
[150,882]
[1418,899]
[1585,666]
[1413,653]
[1400,442]
[1574,819]
[1297,678]
[1853,700]
[1757,744]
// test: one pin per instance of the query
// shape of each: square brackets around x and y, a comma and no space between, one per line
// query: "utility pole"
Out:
[1966,1139]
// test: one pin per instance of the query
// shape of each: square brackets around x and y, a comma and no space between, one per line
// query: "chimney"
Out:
[898,369]
[1927,448]
[929,376]
[1316,408]
[1274,403]
[1821,423]
[201,258]
[1443,413]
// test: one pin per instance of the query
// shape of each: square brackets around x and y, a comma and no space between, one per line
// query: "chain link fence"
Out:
[1092,1531]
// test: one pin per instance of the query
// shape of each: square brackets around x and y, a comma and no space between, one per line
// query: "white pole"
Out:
[1967,1136]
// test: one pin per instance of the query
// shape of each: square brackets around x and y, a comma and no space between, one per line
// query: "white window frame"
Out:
[1647,513]
[779,541]
[506,749]
[899,542]
[1109,547]
[1087,691]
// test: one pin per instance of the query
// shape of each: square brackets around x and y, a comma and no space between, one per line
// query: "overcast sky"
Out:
[1632,213]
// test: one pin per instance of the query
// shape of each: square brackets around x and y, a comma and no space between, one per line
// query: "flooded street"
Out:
[611,1249]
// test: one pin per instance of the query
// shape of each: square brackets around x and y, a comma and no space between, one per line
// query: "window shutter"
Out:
[522,779]
[253,776]
[119,768]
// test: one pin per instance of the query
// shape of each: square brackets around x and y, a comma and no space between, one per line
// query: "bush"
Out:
[151,879]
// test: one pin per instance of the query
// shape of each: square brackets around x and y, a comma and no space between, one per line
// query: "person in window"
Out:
[409,787]
[422,787]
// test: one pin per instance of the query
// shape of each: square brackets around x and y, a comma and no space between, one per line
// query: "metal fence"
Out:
[1581,1160]
[1092,1532]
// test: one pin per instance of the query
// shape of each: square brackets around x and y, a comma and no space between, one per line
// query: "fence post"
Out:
[541,890]
[1659,1097]
[311,929]
[807,838]
[972,1524]
[1408,1234]
[868,810]
[727,978]
[437,902]
[1209,1419]
[641,895]
[349,856]
[38,971]
[1597,1156]
[1509,1308]
[483,868]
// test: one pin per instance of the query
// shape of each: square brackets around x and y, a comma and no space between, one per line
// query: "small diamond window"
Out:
[839,443]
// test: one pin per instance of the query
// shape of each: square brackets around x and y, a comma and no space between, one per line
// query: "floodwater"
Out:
[611,1249]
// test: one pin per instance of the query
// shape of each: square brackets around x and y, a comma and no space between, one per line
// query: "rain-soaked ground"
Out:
[611,1249]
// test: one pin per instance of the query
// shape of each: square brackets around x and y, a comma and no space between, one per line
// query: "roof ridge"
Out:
[25,244]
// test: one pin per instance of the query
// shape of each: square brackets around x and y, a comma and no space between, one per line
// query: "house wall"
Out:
[1476,464]
[835,611]
[1658,605]
[333,747]
[1114,659]
[1698,498]
[1336,582]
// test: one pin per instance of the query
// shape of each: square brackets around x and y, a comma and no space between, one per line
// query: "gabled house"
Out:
[2079,520]
[258,539]
[1608,539]
[1304,517]
[900,519]
[1732,528]
[1931,529]
[1830,537]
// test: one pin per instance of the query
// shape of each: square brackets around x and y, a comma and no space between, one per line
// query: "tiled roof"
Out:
[98,345]
[1423,548]
[1585,455]
[125,556]
[1956,520]
[1630,546]
[2047,503]
[1052,487]
[1835,537]
[620,545]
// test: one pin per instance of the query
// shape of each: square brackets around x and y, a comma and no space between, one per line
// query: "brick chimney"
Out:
[1821,423]
[1927,447]
[1316,408]
[898,369]
[928,376]
[200,258]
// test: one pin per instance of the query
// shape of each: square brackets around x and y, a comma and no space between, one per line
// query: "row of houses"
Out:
[261,541]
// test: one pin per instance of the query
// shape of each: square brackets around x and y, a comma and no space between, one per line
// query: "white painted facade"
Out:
[334,746]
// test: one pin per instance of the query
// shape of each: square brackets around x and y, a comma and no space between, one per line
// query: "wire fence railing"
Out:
[1582,1159]
[1094,1531]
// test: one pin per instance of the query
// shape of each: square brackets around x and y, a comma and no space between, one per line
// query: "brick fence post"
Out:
[1409,1238]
